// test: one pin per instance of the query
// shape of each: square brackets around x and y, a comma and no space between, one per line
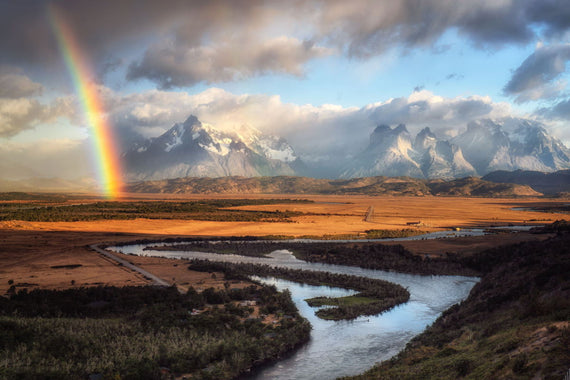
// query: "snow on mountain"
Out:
[486,145]
[388,153]
[392,153]
[511,144]
[197,149]
[440,159]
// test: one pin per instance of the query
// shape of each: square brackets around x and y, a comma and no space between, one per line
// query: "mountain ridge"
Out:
[192,148]
[468,186]
[196,149]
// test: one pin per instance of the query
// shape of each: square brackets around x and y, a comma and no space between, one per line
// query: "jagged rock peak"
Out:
[401,128]
[426,132]
[193,148]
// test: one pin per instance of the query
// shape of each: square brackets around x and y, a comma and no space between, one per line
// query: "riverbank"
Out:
[374,296]
[514,324]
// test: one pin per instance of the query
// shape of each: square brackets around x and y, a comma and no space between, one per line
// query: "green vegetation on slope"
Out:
[212,210]
[130,333]
[513,325]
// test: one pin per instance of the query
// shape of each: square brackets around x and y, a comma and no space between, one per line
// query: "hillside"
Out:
[547,183]
[513,325]
[360,186]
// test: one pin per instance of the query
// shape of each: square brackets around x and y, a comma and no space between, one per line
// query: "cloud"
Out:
[20,114]
[19,109]
[559,111]
[217,41]
[62,158]
[445,116]
[363,28]
[171,65]
[536,77]
[14,84]
[17,115]
[318,133]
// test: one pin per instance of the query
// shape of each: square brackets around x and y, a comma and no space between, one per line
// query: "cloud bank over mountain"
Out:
[323,74]
[195,149]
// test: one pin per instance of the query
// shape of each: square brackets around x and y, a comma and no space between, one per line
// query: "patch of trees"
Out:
[386,295]
[364,255]
[380,257]
[130,333]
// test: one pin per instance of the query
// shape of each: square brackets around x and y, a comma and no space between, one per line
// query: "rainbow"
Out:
[106,154]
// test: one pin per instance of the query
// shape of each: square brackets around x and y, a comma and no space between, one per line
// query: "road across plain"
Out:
[156,280]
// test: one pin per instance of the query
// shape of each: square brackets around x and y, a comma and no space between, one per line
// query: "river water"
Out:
[341,348]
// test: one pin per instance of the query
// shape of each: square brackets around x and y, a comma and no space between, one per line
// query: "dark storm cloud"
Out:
[227,40]
[554,15]
[535,77]
[169,65]
[103,26]
[364,27]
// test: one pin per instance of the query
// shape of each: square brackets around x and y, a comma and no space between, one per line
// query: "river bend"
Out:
[342,348]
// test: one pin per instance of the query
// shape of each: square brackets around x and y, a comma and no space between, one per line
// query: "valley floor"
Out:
[55,255]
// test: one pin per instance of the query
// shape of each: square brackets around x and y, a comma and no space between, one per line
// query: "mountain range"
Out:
[196,149]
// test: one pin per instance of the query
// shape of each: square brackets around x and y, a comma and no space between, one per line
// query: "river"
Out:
[341,348]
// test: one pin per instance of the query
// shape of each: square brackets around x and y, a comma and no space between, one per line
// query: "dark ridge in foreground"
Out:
[513,325]
[469,186]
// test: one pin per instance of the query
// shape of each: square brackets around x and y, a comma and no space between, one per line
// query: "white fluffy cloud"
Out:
[19,108]
[316,132]
[323,133]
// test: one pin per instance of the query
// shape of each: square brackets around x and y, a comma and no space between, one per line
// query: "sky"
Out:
[322,74]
